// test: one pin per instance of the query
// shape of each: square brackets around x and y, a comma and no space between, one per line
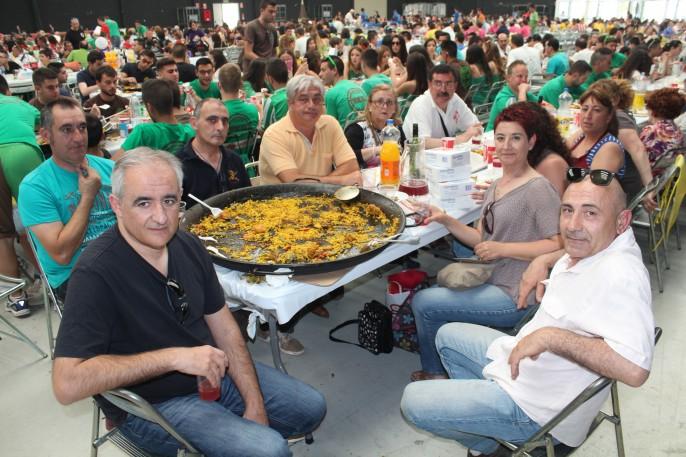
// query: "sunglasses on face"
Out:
[177,300]
[599,177]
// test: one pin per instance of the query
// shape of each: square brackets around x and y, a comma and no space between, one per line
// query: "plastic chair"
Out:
[495,88]
[7,286]
[482,112]
[137,406]
[352,117]
[674,197]
[656,221]
[254,172]
[543,438]
[50,300]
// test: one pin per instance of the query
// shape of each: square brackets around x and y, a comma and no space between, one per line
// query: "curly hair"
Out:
[535,120]
[666,103]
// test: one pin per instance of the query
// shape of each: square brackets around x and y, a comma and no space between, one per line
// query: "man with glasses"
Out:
[138,72]
[203,86]
[64,202]
[7,66]
[595,319]
[344,96]
[147,313]
[440,112]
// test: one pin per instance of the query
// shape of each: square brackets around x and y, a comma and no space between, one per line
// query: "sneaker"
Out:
[18,306]
[290,345]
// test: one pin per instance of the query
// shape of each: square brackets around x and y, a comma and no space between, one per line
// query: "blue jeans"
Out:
[217,428]
[485,305]
[466,408]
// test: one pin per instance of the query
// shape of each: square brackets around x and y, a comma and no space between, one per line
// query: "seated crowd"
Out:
[310,107]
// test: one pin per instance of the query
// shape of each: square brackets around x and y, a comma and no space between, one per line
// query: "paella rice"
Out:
[283,230]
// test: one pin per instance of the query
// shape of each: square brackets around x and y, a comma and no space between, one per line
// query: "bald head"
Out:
[591,217]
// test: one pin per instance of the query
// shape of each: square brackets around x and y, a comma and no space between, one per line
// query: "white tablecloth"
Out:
[25,85]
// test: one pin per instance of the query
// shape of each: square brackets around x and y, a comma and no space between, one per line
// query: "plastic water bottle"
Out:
[390,155]
[564,113]
[137,110]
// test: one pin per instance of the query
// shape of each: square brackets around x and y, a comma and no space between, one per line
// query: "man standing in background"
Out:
[115,34]
[260,35]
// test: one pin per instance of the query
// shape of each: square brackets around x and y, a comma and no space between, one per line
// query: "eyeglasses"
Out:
[381,103]
[599,177]
[304,100]
[488,218]
[395,42]
[179,304]
[443,84]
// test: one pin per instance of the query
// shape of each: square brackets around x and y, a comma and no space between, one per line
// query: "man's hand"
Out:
[352,179]
[205,360]
[95,110]
[257,414]
[536,272]
[473,130]
[89,180]
[490,250]
[522,90]
[530,346]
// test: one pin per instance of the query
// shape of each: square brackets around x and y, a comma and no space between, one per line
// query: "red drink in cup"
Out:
[206,391]
[414,187]
[448,142]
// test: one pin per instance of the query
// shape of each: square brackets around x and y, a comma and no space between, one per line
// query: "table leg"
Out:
[274,342]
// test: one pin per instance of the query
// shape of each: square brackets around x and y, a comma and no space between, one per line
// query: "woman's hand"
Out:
[649,202]
[490,250]
[431,213]
[479,192]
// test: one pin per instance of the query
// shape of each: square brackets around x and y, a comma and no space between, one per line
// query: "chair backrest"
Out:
[136,405]
[482,112]
[241,141]
[254,172]
[352,117]
[676,197]
[495,88]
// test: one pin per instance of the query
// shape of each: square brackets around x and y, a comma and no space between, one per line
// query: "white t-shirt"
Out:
[606,296]
[301,45]
[584,54]
[529,55]
[424,112]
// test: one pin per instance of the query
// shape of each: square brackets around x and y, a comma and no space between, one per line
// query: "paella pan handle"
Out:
[279,272]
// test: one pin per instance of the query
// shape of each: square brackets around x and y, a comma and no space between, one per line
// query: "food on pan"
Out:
[286,230]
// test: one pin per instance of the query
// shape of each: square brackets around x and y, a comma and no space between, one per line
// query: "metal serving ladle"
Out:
[347,193]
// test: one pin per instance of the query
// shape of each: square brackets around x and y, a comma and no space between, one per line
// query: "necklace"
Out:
[205,159]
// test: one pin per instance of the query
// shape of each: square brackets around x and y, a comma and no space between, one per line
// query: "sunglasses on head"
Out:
[599,177]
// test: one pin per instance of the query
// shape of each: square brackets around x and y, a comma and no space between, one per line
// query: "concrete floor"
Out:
[363,391]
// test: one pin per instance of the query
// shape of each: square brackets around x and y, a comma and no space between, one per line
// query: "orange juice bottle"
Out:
[390,155]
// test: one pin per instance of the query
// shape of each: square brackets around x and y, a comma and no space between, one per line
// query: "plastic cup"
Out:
[448,142]
[206,390]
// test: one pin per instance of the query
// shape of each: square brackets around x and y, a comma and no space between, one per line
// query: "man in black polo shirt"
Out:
[145,310]
[140,71]
[86,78]
[208,168]
[75,34]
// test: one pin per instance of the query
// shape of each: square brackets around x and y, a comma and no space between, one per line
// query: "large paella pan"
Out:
[300,228]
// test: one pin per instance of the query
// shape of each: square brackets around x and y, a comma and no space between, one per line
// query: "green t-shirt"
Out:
[593,77]
[504,99]
[553,88]
[211,92]
[533,21]
[375,80]
[18,121]
[247,88]
[160,135]
[114,27]
[618,60]
[344,98]
[141,30]
[80,56]
[467,80]
[275,108]
[243,119]
[558,64]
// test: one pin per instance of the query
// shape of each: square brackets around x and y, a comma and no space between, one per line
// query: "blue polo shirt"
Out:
[558,64]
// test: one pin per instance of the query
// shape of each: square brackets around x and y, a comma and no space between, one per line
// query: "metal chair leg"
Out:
[95,430]
[655,253]
[19,335]
[274,343]
[48,320]
[549,447]
[678,237]
[618,424]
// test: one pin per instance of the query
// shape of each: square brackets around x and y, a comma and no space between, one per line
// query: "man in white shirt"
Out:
[440,113]
[583,52]
[301,41]
[595,320]
[503,47]
[526,54]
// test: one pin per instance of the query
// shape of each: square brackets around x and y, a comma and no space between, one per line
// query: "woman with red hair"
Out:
[662,136]
[519,221]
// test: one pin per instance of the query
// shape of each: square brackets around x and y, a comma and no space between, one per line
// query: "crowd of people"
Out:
[308,101]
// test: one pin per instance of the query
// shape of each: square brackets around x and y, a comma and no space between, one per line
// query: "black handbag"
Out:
[374,331]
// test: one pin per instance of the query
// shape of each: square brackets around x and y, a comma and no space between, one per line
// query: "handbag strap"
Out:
[445,129]
[338,327]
